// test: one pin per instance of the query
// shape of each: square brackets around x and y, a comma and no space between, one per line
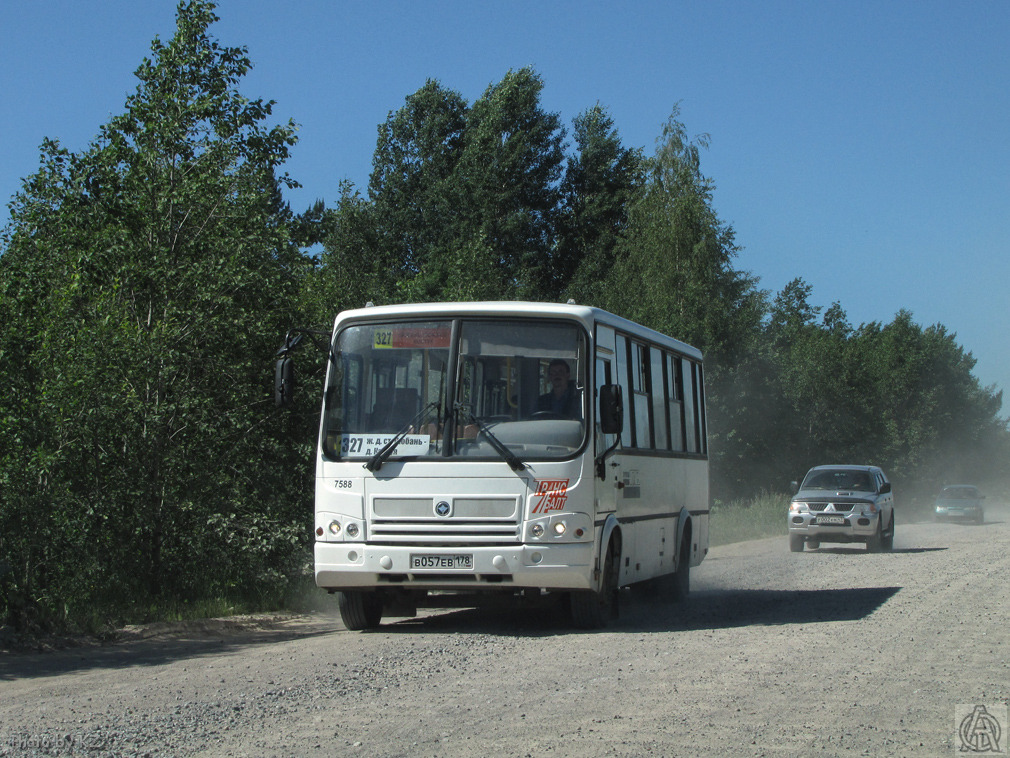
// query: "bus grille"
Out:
[471,521]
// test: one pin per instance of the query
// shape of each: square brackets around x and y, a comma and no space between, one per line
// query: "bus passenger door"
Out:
[610,489]
[606,488]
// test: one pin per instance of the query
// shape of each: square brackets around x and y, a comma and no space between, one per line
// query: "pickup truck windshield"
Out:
[838,480]
[516,385]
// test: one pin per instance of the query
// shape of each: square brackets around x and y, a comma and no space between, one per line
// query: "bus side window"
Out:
[639,375]
[675,394]
[660,422]
[623,379]
[699,408]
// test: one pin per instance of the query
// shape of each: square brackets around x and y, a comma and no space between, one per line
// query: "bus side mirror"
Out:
[284,381]
[611,409]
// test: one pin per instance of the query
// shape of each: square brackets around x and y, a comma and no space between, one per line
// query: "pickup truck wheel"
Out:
[795,543]
[876,543]
[887,543]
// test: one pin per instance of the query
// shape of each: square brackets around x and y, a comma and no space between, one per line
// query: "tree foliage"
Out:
[463,198]
[895,394]
[674,270]
[143,282]
[601,180]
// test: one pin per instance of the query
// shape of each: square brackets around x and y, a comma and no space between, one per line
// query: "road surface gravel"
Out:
[827,652]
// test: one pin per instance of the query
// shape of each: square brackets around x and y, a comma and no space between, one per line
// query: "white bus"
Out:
[507,449]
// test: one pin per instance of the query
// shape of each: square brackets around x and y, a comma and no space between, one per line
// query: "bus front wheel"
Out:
[592,609]
[359,609]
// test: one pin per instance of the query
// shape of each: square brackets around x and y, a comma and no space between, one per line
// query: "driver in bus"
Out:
[564,399]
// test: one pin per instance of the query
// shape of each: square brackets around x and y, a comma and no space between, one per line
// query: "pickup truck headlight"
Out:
[797,506]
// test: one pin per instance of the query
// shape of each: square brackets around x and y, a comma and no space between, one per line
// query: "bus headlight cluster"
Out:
[562,527]
[334,527]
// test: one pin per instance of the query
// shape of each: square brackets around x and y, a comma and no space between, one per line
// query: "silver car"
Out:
[960,502]
[842,504]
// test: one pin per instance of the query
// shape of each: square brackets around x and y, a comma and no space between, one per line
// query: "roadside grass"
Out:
[103,623]
[761,516]
[299,594]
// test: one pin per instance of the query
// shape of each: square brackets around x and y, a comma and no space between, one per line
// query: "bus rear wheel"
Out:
[359,609]
[681,585]
[592,609]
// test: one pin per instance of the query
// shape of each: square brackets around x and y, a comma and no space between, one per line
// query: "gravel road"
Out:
[828,652]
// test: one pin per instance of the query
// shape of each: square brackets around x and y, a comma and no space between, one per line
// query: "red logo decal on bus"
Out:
[552,494]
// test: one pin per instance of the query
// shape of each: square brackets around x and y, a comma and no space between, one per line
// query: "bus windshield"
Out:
[517,384]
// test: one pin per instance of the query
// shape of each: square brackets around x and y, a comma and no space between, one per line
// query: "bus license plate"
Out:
[836,520]
[457,561]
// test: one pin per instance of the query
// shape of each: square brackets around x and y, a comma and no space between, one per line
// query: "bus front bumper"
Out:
[350,565]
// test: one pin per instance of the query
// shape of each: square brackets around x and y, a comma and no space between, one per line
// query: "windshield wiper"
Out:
[513,460]
[375,462]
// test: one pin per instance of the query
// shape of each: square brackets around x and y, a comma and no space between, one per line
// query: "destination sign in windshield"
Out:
[367,445]
[411,337]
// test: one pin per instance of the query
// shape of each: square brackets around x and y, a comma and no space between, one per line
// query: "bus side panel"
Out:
[655,490]
[696,493]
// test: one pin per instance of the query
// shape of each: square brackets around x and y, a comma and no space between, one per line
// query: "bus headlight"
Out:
[537,530]
[352,530]
[335,528]
[571,527]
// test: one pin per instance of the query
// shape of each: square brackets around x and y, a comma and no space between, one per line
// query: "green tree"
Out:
[352,269]
[464,199]
[600,182]
[509,174]
[414,188]
[896,395]
[674,270]
[936,422]
[153,272]
[823,414]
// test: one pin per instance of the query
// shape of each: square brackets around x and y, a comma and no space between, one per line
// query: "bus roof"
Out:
[587,315]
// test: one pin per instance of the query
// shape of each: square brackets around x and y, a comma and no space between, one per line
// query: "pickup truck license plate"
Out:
[457,561]
[835,520]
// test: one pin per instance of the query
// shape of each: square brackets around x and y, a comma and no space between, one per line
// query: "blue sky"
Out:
[862,146]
